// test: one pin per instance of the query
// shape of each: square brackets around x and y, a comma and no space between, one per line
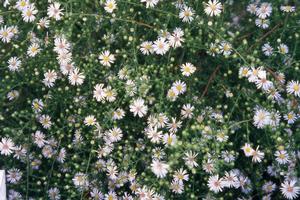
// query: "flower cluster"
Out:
[150,99]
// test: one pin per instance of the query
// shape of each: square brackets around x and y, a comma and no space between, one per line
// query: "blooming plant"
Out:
[150,99]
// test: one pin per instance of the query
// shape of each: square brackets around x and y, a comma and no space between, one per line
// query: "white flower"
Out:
[76,78]
[230,180]
[114,134]
[43,23]
[176,39]
[80,180]
[170,139]
[291,117]
[99,92]
[33,49]
[186,14]
[247,150]
[45,120]
[282,157]
[213,8]
[22,4]
[50,78]
[262,82]
[288,9]
[187,69]
[29,13]
[6,34]
[150,3]
[14,175]
[187,111]
[190,159]
[264,10]
[138,107]
[289,189]
[90,120]
[181,175]
[252,8]
[161,46]
[13,95]
[14,64]
[39,139]
[267,49]
[283,49]
[179,87]
[54,11]
[159,168]
[262,23]
[61,45]
[177,187]
[146,48]
[293,87]
[153,134]
[215,184]
[106,58]
[225,48]
[110,6]
[6,146]
[261,118]
[257,155]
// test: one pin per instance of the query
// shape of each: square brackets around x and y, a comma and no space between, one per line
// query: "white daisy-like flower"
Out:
[76,78]
[291,117]
[106,58]
[22,4]
[138,107]
[283,49]
[45,120]
[264,10]
[50,78]
[29,13]
[190,159]
[150,3]
[110,6]
[43,23]
[99,92]
[288,8]
[14,64]
[169,139]
[262,23]
[187,69]
[186,14]
[147,48]
[293,87]
[215,184]
[213,8]
[6,34]
[7,146]
[90,120]
[179,87]
[267,49]
[225,48]
[282,157]
[247,150]
[33,49]
[159,168]
[257,155]
[289,189]
[54,11]
[14,94]
[261,118]
[80,180]
[39,139]
[161,46]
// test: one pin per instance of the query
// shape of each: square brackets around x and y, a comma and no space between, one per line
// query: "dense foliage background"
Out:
[222,99]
